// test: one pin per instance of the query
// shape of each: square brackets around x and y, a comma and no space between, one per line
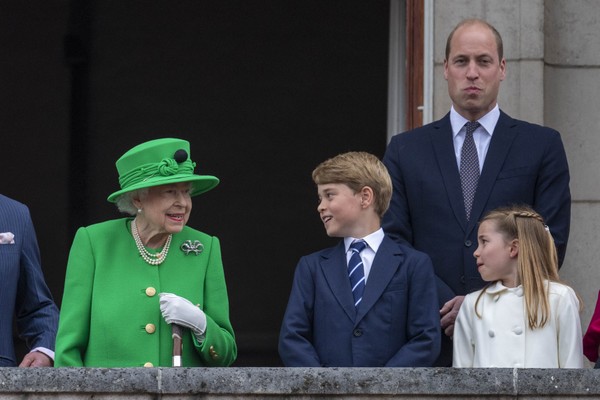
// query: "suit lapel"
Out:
[387,261]
[334,267]
[502,139]
[443,146]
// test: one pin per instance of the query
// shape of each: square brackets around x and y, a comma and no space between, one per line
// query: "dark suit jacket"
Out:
[23,292]
[525,164]
[396,325]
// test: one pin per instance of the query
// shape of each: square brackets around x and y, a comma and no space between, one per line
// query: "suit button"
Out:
[150,291]
[148,365]
[462,279]
[468,243]
[491,333]
[357,332]
[150,328]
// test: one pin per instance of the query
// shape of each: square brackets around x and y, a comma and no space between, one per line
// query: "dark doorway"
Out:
[263,90]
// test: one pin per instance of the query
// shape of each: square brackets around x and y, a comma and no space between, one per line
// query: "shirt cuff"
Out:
[45,351]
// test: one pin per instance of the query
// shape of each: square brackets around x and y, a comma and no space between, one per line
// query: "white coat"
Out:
[502,336]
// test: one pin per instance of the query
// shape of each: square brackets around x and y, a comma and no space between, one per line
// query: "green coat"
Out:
[110,315]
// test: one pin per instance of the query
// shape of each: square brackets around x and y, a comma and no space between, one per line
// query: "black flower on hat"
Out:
[180,156]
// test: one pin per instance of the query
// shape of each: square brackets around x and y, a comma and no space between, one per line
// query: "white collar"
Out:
[497,287]
[488,121]
[373,240]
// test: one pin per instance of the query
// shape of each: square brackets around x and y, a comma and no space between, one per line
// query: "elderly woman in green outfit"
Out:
[129,279]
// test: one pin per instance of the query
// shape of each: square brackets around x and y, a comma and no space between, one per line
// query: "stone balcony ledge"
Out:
[275,383]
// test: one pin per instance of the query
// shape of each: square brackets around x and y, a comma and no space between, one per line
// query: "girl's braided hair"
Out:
[537,261]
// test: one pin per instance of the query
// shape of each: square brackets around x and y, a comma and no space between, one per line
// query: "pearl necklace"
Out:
[150,258]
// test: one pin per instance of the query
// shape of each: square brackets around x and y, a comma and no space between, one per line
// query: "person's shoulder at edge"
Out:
[417,132]
[561,289]
[108,224]
[9,200]
[10,203]
[526,126]
[324,252]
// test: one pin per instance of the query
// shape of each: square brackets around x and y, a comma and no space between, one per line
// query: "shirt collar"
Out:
[373,240]
[488,121]
[498,287]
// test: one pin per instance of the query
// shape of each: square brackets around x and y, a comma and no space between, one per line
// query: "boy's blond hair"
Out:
[357,169]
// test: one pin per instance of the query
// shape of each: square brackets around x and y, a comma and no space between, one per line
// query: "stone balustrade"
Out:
[298,383]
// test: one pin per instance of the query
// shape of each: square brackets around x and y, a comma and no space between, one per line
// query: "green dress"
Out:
[110,314]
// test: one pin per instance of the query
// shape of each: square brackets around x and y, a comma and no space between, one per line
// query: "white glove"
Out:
[180,311]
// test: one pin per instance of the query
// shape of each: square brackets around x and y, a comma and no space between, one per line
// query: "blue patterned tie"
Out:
[356,271]
[469,167]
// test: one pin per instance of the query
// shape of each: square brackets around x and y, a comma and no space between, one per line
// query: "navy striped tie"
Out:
[356,271]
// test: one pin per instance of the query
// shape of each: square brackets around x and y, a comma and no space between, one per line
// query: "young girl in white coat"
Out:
[524,317]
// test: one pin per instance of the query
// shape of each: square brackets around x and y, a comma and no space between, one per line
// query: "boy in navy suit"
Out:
[370,307]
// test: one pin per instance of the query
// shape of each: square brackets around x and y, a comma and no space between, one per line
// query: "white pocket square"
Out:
[7,238]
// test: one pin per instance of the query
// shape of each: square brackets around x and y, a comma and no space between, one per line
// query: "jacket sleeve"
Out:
[462,341]
[552,194]
[570,347]
[74,323]
[35,311]
[591,339]
[218,349]
[396,221]
[296,337]
[423,323]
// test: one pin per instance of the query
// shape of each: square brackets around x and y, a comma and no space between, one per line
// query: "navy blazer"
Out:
[23,291]
[396,324]
[525,164]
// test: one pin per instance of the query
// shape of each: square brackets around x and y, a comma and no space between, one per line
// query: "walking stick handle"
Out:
[177,334]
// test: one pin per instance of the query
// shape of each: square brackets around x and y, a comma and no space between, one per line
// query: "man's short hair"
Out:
[475,21]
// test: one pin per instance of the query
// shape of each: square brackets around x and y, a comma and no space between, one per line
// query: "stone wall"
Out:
[298,383]
[571,89]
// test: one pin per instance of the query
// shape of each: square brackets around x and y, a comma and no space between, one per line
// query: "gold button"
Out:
[148,365]
[150,291]
[213,353]
[150,328]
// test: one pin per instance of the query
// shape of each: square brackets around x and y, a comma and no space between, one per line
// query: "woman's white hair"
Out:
[125,201]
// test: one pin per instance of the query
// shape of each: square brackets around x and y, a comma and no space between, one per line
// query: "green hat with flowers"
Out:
[160,162]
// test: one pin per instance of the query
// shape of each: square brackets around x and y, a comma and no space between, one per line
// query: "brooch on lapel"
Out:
[7,238]
[188,247]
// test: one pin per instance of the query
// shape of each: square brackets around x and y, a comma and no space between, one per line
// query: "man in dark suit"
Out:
[23,291]
[519,163]
[369,306]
